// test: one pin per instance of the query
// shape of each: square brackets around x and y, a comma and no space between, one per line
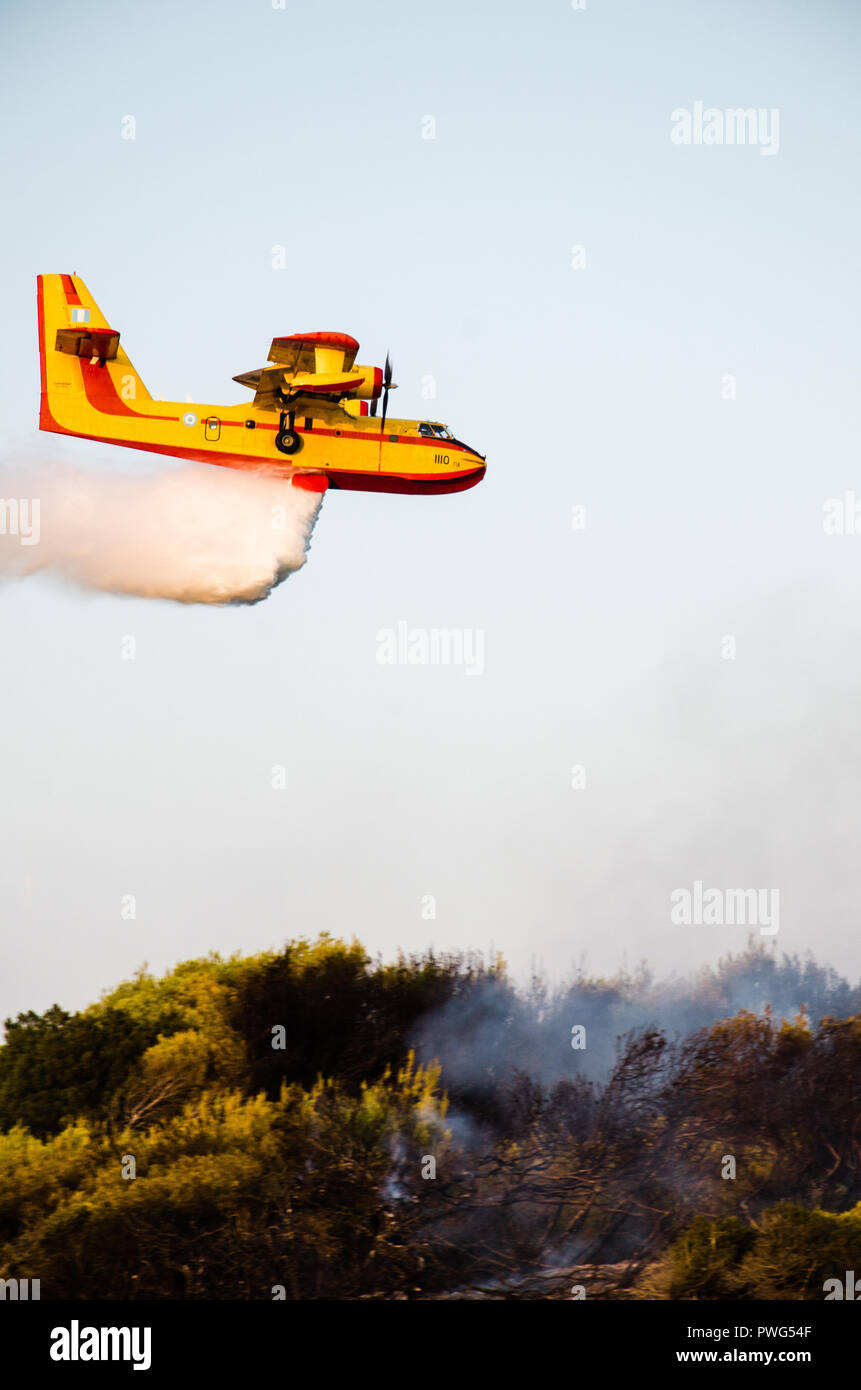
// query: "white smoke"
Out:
[196,534]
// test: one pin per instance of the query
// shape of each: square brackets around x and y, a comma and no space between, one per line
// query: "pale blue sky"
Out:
[602,386]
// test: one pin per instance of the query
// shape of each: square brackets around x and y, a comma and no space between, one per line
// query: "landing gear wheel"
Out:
[288,441]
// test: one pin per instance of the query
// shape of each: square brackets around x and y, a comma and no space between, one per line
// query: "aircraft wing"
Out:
[311,366]
[274,388]
[314,352]
[266,385]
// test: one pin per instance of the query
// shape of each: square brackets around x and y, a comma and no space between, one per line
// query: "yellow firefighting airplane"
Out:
[309,419]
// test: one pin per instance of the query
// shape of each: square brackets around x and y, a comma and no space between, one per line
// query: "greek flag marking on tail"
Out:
[80,316]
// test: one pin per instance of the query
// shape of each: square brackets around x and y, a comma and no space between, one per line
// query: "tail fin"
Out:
[72,326]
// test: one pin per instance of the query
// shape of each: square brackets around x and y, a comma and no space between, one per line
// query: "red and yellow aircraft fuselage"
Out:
[308,420]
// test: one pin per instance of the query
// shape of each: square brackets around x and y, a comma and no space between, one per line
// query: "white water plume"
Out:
[195,534]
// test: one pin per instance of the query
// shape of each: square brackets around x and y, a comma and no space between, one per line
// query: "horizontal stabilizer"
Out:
[99,344]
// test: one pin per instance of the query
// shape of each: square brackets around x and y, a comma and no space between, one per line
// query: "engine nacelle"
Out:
[370,385]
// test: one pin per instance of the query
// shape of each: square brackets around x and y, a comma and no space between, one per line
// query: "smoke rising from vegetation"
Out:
[486,1034]
[195,534]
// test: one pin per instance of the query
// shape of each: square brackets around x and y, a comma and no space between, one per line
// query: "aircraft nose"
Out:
[479,467]
[473,453]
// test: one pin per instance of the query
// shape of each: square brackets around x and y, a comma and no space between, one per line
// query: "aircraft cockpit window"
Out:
[427,431]
[442,432]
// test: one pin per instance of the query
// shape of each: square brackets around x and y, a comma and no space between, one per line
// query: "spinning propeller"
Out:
[388,385]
